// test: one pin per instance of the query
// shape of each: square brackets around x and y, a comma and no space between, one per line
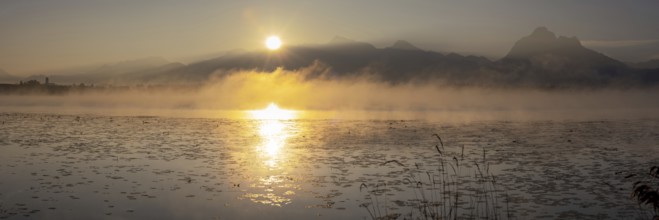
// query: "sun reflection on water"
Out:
[273,134]
[273,130]
[273,112]
[270,180]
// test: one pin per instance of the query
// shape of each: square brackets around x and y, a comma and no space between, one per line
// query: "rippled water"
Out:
[102,167]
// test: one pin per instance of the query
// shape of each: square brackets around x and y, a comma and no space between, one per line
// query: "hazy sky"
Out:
[38,35]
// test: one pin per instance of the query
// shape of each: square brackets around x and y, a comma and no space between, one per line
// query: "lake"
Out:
[90,166]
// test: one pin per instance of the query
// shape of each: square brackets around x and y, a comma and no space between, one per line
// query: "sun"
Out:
[273,42]
[273,112]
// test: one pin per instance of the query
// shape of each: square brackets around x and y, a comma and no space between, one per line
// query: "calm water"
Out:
[102,167]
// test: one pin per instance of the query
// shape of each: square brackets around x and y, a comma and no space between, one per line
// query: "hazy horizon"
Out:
[370,109]
[358,97]
[48,35]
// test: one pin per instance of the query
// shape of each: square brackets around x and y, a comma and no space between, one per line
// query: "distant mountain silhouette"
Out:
[543,44]
[540,59]
[638,50]
[120,72]
[545,59]
[403,45]
[540,42]
[342,57]
[650,64]
[5,77]
[338,40]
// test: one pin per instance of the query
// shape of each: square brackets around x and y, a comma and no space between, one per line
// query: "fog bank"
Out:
[350,98]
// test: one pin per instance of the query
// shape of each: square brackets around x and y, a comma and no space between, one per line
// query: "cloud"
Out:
[617,43]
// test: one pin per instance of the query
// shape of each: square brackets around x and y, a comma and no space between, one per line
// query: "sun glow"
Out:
[273,112]
[274,135]
[273,42]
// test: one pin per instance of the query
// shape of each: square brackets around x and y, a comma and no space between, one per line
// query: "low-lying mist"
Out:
[360,97]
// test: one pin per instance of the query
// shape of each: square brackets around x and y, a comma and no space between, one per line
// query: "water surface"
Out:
[85,166]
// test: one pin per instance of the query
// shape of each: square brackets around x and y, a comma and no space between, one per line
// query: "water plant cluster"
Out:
[645,190]
[458,188]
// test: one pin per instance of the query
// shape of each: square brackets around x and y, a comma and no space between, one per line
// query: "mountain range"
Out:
[541,59]
[6,77]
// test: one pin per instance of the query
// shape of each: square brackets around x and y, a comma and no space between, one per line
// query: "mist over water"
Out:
[322,110]
[554,152]
[361,97]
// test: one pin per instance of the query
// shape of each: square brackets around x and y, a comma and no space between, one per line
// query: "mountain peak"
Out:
[542,33]
[403,45]
[542,41]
